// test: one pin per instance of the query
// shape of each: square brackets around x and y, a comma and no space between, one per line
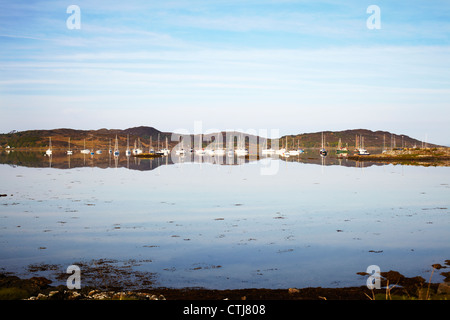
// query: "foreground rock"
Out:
[95,295]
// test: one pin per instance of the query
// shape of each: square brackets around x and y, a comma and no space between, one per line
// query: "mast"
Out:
[322,140]
[128,145]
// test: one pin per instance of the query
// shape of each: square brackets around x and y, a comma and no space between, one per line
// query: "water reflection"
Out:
[221,224]
[60,160]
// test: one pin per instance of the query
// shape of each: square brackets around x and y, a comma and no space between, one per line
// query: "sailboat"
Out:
[294,152]
[164,151]
[200,152]
[92,151]
[342,151]
[322,150]
[240,150]
[299,149]
[218,149]
[85,151]
[286,153]
[49,150]
[137,149]
[116,147]
[361,150]
[266,151]
[69,152]
[180,151]
[281,151]
[150,147]
[128,152]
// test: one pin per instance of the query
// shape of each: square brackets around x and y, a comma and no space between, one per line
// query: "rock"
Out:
[293,290]
[446,275]
[444,288]
[41,282]
[41,296]
[92,292]
[55,295]
[100,296]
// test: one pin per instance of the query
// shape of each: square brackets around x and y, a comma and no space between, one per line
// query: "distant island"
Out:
[149,136]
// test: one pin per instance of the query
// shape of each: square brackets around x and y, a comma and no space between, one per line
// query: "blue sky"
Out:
[297,66]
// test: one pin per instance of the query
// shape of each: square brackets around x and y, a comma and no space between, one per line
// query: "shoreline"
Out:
[428,156]
[394,286]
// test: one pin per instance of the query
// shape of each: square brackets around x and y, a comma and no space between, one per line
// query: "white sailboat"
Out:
[280,151]
[218,148]
[219,152]
[85,151]
[69,152]
[361,150]
[128,152]
[295,152]
[241,151]
[150,146]
[49,150]
[165,151]
[180,151]
[200,152]
[286,153]
[266,151]
[137,148]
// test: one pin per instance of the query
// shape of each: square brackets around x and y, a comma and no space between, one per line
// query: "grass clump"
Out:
[13,294]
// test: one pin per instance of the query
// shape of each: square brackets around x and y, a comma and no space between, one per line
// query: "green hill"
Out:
[145,135]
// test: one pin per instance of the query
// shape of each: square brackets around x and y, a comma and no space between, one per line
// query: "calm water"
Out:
[314,222]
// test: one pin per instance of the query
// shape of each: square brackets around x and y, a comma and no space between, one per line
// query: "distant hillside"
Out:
[352,138]
[145,135]
[79,138]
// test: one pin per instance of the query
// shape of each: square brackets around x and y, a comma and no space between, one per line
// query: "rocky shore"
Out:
[418,156]
[394,287]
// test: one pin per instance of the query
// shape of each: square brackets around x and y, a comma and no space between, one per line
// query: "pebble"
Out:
[96,295]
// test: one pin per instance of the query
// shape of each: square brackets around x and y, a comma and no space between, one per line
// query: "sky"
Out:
[294,66]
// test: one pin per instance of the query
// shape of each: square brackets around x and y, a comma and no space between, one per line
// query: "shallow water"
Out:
[310,222]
